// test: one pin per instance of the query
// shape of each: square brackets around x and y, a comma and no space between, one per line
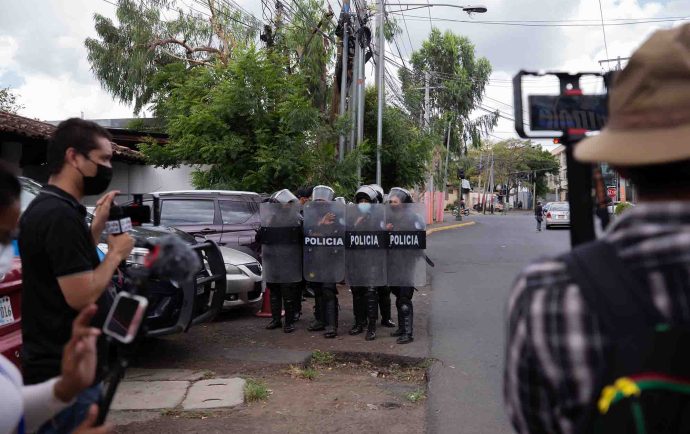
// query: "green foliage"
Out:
[514,161]
[250,122]
[323,358]
[405,149]
[416,396]
[127,55]
[9,101]
[255,390]
[459,79]
[310,374]
[621,207]
[311,53]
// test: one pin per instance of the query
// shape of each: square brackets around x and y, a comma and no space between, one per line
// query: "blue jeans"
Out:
[70,418]
[539,220]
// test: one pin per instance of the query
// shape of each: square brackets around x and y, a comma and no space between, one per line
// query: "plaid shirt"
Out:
[555,346]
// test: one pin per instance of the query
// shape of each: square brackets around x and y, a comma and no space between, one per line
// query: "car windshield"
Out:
[30,190]
[559,207]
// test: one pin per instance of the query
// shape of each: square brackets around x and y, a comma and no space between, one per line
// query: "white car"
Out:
[558,214]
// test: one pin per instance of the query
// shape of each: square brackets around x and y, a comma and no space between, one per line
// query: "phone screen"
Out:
[125,317]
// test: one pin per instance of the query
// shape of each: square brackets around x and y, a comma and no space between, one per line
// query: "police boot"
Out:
[401,330]
[360,311]
[289,303]
[406,321]
[296,293]
[385,306]
[317,324]
[276,309]
[330,313]
[372,313]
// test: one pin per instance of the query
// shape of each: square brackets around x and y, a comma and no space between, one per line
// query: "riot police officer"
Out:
[384,292]
[323,261]
[367,262]
[281,250]
[403,264]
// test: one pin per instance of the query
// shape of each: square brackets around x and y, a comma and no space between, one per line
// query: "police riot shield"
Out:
[365,245]
[406,260]
[281,242]
[324,247]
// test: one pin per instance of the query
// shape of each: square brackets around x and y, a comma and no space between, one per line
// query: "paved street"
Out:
[475,267]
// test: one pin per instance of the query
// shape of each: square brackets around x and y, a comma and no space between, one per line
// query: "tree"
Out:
[9,101]
[405,149]
[515,162]
[127,55]
[250,124]
[458,80]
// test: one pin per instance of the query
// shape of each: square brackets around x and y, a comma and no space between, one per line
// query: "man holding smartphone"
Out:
[61,269]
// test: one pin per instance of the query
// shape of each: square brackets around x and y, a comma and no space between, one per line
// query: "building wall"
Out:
[128,178]
[135,178]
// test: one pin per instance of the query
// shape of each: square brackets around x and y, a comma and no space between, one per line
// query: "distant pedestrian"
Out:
[539,215]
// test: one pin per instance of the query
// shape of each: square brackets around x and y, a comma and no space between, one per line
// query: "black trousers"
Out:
[284,295]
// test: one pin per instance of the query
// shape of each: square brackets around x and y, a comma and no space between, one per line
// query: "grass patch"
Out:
[416,396]
[426,364]
[255,390]
[307,373]
[323,358]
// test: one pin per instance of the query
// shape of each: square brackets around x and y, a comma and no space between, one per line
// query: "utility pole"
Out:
[493,187]
[345,17]
[445,174]
[381,96]
[534,196]
[354,105]
[427,100]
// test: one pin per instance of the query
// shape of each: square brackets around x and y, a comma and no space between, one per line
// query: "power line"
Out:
[603,30]
[527,24]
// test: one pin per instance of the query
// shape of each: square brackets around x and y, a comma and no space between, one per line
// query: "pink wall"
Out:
[434,209]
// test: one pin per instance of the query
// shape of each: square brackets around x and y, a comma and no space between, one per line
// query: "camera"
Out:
[566,114]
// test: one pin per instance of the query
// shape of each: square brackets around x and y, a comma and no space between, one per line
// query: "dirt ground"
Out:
[340,399]
[346,396]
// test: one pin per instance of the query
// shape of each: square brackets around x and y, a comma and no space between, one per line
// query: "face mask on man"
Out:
[6,258]
[364,206]
[98,183]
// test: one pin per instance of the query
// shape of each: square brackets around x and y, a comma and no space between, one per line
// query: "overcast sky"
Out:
[42,54]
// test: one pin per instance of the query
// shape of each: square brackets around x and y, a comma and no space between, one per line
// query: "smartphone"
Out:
[125,317]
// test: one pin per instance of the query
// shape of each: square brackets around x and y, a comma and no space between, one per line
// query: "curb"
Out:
[378,359]
[445,228]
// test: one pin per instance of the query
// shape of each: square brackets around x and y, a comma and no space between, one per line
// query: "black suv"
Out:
[230,218]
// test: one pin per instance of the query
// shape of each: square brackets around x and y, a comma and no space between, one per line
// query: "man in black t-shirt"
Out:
[61,270]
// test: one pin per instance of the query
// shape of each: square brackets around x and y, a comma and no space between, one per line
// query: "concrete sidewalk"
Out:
[176,389]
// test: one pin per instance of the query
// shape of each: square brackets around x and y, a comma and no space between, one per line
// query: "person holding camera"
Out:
[61,269]
[25,408]
[588,330]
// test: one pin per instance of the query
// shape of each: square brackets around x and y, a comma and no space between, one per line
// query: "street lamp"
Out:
[470,9]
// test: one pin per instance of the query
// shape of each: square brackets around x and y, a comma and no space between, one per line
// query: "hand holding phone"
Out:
[125,317]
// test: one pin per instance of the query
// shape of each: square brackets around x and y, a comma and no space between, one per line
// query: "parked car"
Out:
[558,214]
[229,218]
[545,208]
[237,274]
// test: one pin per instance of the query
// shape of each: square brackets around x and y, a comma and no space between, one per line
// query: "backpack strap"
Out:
[622,304]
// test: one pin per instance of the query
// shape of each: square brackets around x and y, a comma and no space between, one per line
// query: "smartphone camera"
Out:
[125,317]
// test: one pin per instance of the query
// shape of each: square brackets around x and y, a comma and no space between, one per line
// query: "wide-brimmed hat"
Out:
[649,106]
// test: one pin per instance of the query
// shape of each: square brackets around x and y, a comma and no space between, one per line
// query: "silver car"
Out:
[243,274]
[558,214]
